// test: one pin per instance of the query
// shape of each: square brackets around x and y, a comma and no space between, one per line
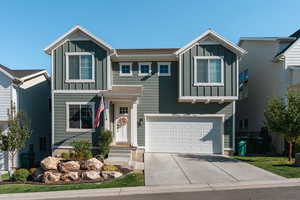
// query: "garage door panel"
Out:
[184,135]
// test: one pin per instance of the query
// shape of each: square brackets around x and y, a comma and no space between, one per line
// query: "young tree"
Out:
[15,138]
[283,116]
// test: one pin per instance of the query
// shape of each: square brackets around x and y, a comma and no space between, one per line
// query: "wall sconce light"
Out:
[140,122]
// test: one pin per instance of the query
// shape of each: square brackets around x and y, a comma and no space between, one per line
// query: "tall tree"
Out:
[283,116]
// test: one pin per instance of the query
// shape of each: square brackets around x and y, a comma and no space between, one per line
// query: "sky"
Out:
[28,26]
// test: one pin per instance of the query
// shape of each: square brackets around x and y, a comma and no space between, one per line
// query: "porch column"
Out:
[134,124]
[106,114]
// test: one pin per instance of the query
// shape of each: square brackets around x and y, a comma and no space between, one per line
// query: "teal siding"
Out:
[230,72]
[34,102]
[161,95]
[59,66]
[61,136]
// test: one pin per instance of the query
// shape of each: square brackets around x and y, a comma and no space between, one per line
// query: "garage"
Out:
[184,134]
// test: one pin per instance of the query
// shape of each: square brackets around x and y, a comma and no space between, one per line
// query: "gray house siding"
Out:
[161,95]
[230,72]
[59,66]
[34,102]
[61,136]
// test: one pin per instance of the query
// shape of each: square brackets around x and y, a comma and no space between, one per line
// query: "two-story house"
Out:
[26,91]
[270,68]
[161,100]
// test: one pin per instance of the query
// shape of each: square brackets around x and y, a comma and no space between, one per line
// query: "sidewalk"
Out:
[150,190]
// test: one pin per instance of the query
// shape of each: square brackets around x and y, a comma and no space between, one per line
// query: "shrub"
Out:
[110,168]
[21,175]
[82,149]
[105,140]
[65,155]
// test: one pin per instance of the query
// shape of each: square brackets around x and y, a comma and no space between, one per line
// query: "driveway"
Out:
[178,169]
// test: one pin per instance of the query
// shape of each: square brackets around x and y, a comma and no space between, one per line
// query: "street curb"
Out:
[150,190]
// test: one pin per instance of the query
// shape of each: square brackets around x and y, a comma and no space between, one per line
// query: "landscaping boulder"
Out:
[37,175]
[94,164]
[51,177]
[69,166]
[83,164]
[111,174]
[91,175]
[70,176]
[50,163]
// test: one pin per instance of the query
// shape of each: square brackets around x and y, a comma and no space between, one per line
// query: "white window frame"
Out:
[68,80]
[145,63]
[208,58]
[120,68]
[169,68]
[68,129]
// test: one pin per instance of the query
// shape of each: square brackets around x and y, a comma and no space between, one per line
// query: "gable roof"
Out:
[64,37]
[22,73]
[217,37]
[296,36]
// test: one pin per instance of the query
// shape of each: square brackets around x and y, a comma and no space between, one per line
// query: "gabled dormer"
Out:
[208,69]
[80,61]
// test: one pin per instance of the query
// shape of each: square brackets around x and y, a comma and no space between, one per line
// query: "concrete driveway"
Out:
[178,169]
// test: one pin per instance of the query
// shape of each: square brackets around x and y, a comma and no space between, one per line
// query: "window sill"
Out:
[208,84]
[80,130]
[125,75]
[164,74]
[144,74]
[80,81]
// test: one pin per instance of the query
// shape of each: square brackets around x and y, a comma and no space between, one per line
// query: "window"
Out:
[144,69]
[208,70]
[125,69]
[80,116]
[164,69]
[123,110]
[80,67]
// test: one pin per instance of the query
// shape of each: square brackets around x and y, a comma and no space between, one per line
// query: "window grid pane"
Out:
[202,70]
[164,69]
[86,117]
[214,70]
[125,69]
[145,69]
[74,67]
[74,116]
[86,67]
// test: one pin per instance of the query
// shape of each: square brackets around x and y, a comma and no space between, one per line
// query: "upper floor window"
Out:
[125,69]
[164,69]
[145,69]
[80,116]
[80,67]
[208,70]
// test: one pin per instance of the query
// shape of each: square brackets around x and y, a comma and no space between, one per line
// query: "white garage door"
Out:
[183,134]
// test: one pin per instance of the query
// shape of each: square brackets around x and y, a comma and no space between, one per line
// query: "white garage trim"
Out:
[222,116]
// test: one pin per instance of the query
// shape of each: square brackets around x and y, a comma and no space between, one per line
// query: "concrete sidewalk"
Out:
[150,190]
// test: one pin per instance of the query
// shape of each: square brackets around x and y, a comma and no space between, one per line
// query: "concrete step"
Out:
[113,154]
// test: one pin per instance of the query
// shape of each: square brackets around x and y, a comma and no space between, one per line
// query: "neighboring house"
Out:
[271,66]
[163,100]
[26,91]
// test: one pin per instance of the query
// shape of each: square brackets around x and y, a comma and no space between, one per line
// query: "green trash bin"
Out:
[242,148]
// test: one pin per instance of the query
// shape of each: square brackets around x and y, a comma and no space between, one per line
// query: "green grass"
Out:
[130,180]
[276,165]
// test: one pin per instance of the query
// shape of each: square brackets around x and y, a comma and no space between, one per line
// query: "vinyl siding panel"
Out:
[59,65]
[5,96]
[161,95]
[293,55]
[230,72]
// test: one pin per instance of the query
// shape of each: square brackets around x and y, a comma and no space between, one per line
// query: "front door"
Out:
[122,124]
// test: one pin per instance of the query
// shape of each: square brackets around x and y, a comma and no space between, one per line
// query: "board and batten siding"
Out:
[161,96]
[187,75]
[59,66]
[61,136]
[5,96]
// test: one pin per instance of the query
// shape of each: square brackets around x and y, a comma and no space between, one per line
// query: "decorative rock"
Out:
[91,175]
[50,163]
[51,177]
[69,166]
[111,174]
[37,175]
[94,164]
[70,176]
[83,164]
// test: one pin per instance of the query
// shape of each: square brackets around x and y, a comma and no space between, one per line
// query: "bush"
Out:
[110,168]
[65,155]
[21,175]
[105,140]
[82,149]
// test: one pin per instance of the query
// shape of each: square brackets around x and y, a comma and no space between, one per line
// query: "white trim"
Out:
[145,74]
[100,42]
[35,74]
[120,68]
[180,76]
[209,83]
[7,74]
[222,116]
[79,91]
[207,99]
[52,100]
[164,63]
[68,129]
[237,76]
[221,39]
[144,55]
[68,80]
[233,124]
[109,73]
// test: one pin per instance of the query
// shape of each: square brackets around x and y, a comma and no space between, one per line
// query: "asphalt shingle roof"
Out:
[20,73]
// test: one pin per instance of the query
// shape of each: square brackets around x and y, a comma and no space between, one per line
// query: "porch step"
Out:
[119,155]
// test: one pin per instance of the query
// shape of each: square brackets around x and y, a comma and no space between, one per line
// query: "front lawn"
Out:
[276,165]
[130,180]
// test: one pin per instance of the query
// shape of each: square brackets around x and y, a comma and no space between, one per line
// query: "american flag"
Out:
[98,114]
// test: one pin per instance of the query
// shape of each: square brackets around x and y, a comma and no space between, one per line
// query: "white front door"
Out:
[122,123]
